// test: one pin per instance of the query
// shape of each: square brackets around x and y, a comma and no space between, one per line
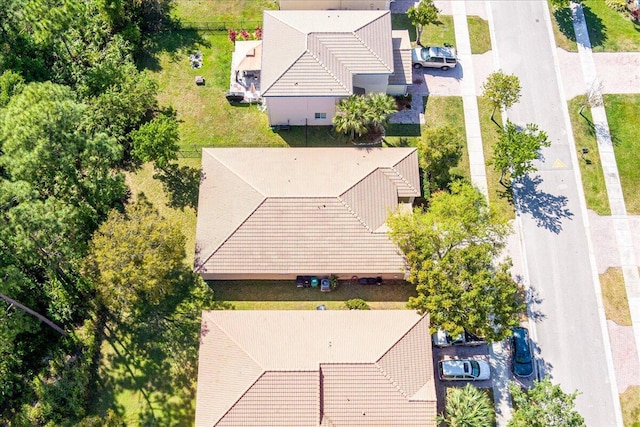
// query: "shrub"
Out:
[357,304]
[617,5]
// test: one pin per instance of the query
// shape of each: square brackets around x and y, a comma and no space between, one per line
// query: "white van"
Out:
[434,57]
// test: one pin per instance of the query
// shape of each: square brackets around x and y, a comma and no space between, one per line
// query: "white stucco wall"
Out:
[294,110]
[397,90]
[334,4]
[372,83]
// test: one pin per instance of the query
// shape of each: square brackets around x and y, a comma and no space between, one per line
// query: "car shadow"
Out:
[548,210]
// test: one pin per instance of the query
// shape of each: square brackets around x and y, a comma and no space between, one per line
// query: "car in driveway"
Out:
[442,338]
[521,358]
[434,57]
[464,370]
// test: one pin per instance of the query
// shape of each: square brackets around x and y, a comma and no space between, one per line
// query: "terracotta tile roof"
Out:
[307,368]
[317,52]
[361,395]
[402,65]
[322,212]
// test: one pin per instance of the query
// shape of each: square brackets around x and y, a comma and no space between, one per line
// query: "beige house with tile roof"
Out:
[335,4]
[313,59]
[275,213]
[312,368]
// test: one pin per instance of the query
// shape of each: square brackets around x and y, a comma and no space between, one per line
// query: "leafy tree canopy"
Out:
[516,150]
[133,258]
[450,250]
[544,405]
[502,90]
[46,143]
[467,407]
[157,141]
[423,14]
[440,149]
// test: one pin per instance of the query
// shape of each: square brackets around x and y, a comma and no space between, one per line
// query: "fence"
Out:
[217,25]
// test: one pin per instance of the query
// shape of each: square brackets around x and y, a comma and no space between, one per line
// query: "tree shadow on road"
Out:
[547,209]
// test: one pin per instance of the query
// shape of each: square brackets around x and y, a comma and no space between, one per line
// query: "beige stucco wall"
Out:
[295,110]
[334,4]
[268,276]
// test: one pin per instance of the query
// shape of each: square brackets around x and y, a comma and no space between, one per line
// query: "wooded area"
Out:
[75,114]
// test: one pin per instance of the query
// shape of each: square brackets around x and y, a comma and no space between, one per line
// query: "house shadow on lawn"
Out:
[285,294]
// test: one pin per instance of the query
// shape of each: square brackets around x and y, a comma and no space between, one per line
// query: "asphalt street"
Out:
[570,342]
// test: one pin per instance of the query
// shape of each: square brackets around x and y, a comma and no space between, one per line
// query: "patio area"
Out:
[245,71]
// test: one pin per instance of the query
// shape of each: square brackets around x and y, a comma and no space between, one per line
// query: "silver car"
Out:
[464,369]
[434,57]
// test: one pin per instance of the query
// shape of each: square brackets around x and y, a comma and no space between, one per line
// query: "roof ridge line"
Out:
[322,64]
[284,72]
[392,381]
[395,172]
[239,398]
[356,216]
[402,176]
[367,46]
[377,362]
[241,178]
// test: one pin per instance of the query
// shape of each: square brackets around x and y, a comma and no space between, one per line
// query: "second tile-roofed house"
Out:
[275,213]
[313,59]
[335,4]
[336,368]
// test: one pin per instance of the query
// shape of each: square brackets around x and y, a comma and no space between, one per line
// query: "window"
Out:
[321,116]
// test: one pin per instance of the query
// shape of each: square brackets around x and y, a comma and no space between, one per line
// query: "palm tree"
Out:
[361,114]
[379,107]
[467,407]
[349,116]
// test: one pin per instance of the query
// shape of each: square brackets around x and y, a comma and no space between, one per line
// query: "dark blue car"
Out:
[521,359]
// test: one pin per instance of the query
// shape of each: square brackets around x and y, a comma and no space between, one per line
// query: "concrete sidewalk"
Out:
[621,224]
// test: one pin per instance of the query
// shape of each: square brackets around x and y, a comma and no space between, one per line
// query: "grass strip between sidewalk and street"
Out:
[595,191]
[614,296]
[630,402]
[498,195]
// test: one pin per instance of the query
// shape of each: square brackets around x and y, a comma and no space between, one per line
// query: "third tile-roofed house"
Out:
[312,59]
[340,368]
[275,213]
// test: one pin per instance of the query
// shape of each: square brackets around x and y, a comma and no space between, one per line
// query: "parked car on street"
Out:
[434,57]
[442,339]
[464,369]
[521,358]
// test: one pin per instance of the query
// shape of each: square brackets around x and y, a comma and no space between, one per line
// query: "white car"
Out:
[434,57]
[464,369]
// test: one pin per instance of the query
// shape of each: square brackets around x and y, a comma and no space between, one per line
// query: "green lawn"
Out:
[499,198]
[609,31]
[448,110]
[595,191]
[284,295]
[622,115]
[563,28]
[440,33]
[400,21]
[630,402]
[216,10]
[479,34]
[614,296]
